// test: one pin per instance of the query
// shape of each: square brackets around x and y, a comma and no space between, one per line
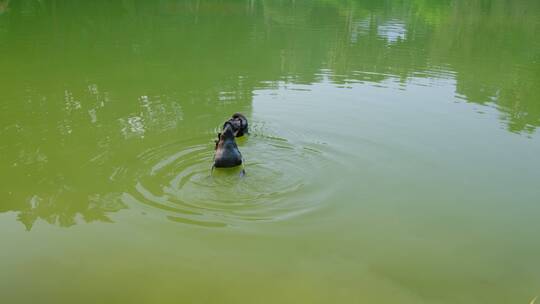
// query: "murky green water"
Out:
[393,155]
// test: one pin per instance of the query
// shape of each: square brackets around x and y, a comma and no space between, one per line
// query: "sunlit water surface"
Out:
[393,155]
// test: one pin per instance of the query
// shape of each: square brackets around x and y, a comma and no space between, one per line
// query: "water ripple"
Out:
[175,180]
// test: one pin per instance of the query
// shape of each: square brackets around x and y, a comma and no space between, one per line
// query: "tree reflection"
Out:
[4,6]
[83,80]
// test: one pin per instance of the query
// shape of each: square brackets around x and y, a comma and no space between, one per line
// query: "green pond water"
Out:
[393,155]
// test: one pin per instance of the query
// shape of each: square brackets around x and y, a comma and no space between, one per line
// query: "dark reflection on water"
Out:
[84,82]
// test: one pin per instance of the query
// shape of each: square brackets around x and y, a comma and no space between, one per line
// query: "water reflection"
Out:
[393,31]
[85,82]
[4,6]
[388,39]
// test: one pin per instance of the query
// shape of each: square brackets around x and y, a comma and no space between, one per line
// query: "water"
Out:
[393,154]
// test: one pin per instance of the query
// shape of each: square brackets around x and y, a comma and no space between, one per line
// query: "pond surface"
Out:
[393,155]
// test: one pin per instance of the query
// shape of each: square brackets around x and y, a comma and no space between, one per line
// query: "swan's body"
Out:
[238,123]
[227,153]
